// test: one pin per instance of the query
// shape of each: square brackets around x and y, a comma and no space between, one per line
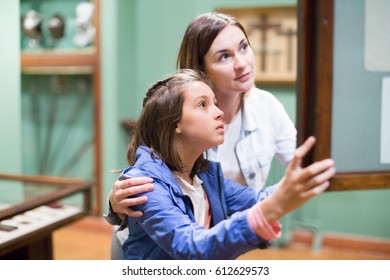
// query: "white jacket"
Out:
[267,131]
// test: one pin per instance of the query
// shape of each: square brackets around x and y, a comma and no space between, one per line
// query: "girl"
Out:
[185,217]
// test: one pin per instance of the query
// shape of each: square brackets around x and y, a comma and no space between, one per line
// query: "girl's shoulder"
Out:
[147,165]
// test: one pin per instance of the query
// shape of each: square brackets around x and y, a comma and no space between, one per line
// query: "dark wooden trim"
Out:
[360,181]
[324,80]
[346,242]
[40,179]
[314,78]
[276,83]
[97,84]
[305,74]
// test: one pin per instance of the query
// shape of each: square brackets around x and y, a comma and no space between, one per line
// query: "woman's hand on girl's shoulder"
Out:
[127,193]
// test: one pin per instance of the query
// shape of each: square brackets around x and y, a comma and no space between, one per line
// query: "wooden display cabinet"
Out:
[66,62]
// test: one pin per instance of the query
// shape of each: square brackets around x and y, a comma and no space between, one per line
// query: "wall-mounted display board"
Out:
[61,91]
[272,33]
[344,90]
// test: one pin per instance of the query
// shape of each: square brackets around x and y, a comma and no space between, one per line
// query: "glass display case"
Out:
[32,207]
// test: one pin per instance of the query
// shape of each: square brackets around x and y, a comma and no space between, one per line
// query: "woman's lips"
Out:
[244,77]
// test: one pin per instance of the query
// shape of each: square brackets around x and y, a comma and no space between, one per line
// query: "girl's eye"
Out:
[202,104]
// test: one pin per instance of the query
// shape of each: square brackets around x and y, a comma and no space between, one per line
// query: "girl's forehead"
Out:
[196,89]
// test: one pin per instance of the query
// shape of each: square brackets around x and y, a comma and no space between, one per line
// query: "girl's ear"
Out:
[178,130]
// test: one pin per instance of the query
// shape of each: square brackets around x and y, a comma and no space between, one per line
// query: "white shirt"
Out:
[197,196]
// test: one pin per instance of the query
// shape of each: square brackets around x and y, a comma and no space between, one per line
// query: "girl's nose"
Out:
[219,114]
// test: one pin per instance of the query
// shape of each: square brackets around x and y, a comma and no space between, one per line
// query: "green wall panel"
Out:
[10,112]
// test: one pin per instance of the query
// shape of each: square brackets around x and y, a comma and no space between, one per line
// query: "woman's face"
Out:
[201,126]
[230,62]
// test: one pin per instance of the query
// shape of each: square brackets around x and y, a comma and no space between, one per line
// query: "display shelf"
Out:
[59,70]
[65,54]
[58,25]
[59,58]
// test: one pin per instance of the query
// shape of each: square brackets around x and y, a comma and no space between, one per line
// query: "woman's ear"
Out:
[178,130]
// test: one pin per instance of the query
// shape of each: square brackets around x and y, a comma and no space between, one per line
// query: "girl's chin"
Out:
[216,143]
[220,142]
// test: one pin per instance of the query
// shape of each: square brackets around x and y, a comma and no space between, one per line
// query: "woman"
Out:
[186,216]
[257,127]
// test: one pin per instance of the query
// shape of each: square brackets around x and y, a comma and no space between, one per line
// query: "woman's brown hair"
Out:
[162,110]
[200,34]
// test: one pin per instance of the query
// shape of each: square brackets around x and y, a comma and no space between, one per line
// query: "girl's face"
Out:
[201,126]
[230,62]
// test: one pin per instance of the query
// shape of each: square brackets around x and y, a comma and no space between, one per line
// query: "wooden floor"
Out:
[86,239]
[90,239]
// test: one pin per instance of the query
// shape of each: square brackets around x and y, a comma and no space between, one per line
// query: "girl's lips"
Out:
[221,127]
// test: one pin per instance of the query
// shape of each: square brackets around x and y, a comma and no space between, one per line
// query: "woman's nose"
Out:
[240,61]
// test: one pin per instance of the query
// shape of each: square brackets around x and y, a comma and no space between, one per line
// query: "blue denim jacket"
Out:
[168,229]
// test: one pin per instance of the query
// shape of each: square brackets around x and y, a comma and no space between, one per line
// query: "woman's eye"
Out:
[223,57]
[244,46]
